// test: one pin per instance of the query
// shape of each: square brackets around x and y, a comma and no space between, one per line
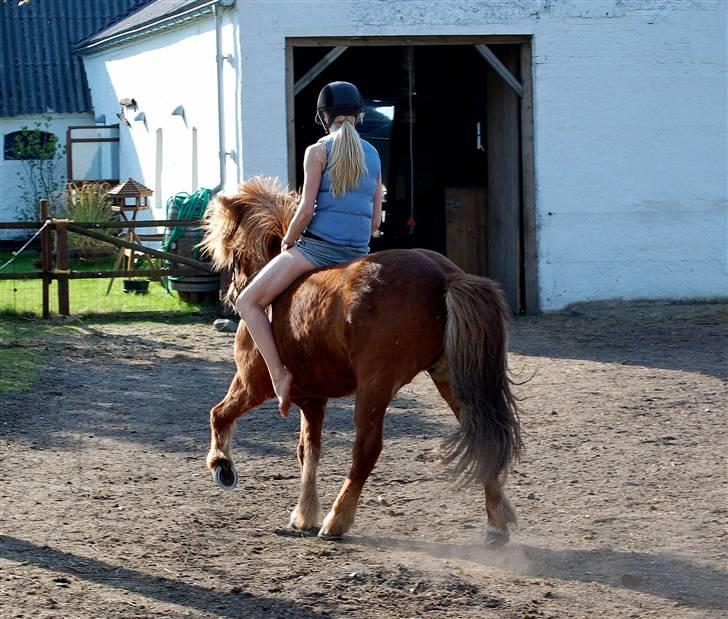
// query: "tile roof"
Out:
[154,16]
[130,188]
[38,71]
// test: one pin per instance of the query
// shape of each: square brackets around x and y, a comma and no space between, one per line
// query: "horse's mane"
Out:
[244,231]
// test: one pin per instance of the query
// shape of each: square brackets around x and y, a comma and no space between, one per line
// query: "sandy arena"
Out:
[107,509]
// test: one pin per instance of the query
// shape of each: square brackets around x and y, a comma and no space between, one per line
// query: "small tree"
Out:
[40,152]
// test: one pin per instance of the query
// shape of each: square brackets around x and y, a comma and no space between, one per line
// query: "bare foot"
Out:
[282,387]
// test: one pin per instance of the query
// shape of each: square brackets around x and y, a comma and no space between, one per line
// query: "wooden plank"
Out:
[146,223]
[142,249]
[62,264]
[504,192]
[316,69]
[407,40]
[500,68]
[466,228]
[531,304]
[149,273]
[20,225]
[45,259]
[23,275]
[290,117]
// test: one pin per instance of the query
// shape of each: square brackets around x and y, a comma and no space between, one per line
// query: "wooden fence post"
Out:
[63,265]
[45,258]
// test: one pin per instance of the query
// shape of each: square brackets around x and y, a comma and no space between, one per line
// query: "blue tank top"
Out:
[346,220]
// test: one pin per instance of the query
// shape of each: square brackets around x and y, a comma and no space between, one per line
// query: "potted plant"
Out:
[89,202]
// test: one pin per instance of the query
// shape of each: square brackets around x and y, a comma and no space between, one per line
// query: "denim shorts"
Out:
[321,253]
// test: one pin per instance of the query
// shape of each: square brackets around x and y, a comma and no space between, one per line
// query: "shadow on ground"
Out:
[166,590]
[690,338]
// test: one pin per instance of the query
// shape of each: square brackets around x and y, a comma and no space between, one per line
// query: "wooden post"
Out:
[63,264]
[530,288]
[504,190]
[45,258]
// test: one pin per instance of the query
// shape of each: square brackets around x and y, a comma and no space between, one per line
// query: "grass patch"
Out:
[87,296]
[24,347]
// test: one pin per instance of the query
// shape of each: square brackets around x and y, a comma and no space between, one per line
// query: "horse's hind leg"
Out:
[501,514]
[369,421]
[238,400]
[305,515]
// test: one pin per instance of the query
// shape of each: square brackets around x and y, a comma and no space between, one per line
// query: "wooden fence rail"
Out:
[54,242]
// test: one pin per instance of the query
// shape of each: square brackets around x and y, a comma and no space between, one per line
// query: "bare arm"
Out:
[314,163]
[377,214]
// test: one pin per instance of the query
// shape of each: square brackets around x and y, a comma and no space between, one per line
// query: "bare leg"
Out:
[501,513]
[369,420]
[306,513]
[275,277]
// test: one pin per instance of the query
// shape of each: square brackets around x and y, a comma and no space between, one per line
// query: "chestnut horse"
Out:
[367,327]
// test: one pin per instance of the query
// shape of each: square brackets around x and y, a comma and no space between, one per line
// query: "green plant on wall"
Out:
[88,202]
[40,153]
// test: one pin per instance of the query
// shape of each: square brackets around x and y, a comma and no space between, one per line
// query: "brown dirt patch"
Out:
[107,509]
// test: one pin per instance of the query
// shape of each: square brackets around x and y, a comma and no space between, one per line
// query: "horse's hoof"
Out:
[329,537]
[225,476]
[497,538]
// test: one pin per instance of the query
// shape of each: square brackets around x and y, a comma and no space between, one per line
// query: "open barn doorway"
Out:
[456,152]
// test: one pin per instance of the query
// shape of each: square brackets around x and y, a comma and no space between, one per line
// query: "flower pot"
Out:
[137,286]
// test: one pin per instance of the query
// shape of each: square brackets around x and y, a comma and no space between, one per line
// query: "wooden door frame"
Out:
[529,278]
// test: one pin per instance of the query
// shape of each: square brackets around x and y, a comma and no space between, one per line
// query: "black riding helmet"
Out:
[338,99]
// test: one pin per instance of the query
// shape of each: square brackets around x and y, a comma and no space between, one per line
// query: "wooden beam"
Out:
[504,188]
[531,304]
[62,267]
[500,68]
[142,249]
[290,118]
[373,41]
[316,69]
[45,259]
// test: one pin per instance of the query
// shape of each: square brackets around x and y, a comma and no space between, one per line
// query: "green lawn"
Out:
[24,346]
[87,296]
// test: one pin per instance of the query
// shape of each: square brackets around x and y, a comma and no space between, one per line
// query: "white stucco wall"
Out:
[630,127]
[11,201]
[173,68]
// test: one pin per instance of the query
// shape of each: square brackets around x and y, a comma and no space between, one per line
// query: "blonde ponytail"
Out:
[347,158]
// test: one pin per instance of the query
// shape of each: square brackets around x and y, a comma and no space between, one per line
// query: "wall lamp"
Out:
[180,111]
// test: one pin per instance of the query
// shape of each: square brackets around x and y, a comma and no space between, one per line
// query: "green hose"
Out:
[188,206]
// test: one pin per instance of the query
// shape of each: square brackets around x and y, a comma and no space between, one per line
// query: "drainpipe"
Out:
[217,10]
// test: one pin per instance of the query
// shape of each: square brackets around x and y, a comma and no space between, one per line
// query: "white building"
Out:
[597,172]
[43,87]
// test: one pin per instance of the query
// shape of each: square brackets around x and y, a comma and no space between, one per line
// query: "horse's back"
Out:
[378,319]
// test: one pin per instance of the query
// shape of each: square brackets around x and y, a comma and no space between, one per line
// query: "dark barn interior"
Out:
[438,114]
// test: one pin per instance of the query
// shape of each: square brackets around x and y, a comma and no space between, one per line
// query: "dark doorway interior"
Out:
[431,102]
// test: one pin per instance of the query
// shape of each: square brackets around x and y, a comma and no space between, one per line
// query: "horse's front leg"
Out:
[369,421]
[250,387]
[305,515]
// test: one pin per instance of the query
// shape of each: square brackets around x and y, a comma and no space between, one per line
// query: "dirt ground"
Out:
[107,510]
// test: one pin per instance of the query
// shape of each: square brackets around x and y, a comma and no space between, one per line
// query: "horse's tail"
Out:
[476,346]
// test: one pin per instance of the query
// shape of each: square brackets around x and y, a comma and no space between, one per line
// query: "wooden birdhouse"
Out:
[129,195]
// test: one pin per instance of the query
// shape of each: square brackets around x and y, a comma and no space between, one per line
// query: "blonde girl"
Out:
[340,208]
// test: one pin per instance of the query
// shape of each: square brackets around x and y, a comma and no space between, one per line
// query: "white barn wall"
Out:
[629,121]
[173,68]
[11,201]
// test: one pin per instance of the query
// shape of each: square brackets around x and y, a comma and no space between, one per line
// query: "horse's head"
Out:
[243,232]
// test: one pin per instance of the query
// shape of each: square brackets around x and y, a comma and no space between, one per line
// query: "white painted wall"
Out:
[630,127]
[173,68]
[11,202]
